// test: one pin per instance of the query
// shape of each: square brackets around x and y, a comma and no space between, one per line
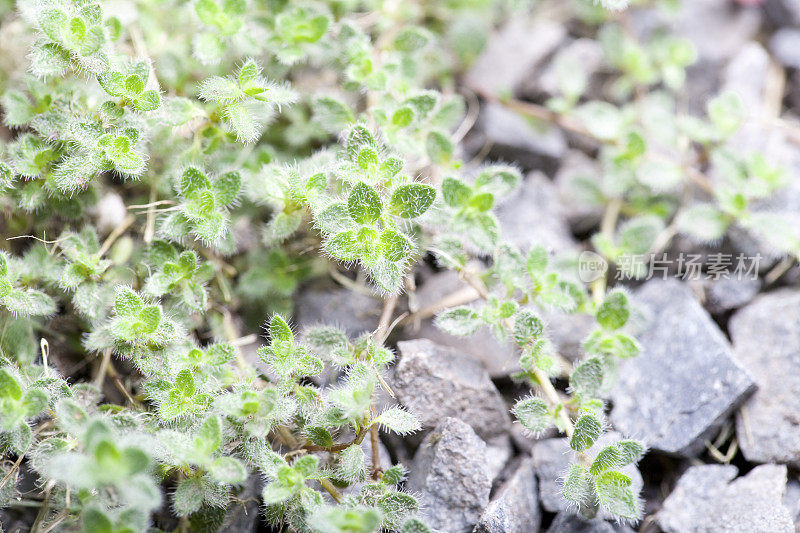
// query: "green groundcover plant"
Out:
[256,144]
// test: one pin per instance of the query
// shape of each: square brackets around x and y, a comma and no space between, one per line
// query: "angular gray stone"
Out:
[355,313]
[534,216]
[685,382]
[436,382]
[552,458]
[791,500]
[449,474]
[718,28]
[726,294]
[499,359]
[571,523]
[785,46]
[515,507]
[766,339]
[498,453]
[567,331]
[243,514]
[705,500]
[511,54]
[513,137]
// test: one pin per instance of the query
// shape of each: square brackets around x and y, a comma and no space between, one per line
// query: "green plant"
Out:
[315,127]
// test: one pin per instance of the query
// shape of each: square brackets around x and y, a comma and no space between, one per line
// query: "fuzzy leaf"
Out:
[363,204]
[459,321]
[587,429]
[398,420]
[533,414]
[614,311]
[412,200]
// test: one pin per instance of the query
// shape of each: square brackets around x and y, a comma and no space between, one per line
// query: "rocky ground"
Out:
[715,390]
[715,393]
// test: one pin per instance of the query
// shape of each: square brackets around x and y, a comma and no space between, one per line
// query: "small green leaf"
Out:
[9,386]
[615,495]
[459,321]
[127,302]
[363,204]
[587,429]
[577,484]
[280,333]
[528,327]
[455,192]
[398,420]
[184,383]
[587,378]
[533,414]
[412,200]
[614,311]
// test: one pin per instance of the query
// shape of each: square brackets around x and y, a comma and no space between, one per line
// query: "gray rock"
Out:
[511,55]
[355,313]
[767,342]
[515,507]
[552,458]
[513,137]
[243,514]
[791,500]
[498,453]
[567,331]
[499,359]
[694,496]
[718,28]
[787,12]
[584,55]
[785,46]
[572,523]
[685,382]
[534,216]
[726,294]
[705,501]
[449,474]
[436,382]
[581,207]
[110,211]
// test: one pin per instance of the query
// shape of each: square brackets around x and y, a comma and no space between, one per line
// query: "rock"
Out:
[718,28]
[534,216]
[449,474]
[511,55]
[571,523]
[552,457]
[791,500]
[515,507]
[784,12]
[354,312]
[767,342]
[685,382]
[498,453]
[581,207]
[584,55]
[243,514]
[436,382]
[785,46]
[499,359]
[567,331]
[706,501]
[111,212]
[726,294]
[513,137]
